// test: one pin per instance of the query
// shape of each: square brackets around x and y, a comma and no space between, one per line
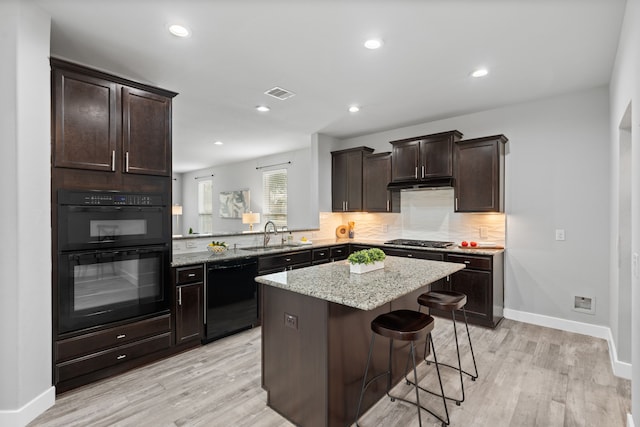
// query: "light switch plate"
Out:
[484,232]
[560,234]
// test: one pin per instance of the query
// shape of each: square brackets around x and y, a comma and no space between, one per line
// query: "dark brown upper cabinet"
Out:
[105,123]
[376,176]
[479,174]
[424,157]
[346,179]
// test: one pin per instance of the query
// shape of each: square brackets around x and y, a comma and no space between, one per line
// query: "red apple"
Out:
[473,244]
[464,243]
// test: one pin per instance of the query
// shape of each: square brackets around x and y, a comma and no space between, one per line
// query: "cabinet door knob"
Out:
[191,274]
[120,336]
[122,356]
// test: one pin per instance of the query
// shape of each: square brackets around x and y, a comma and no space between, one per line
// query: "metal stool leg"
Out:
[475,367]
[364,379]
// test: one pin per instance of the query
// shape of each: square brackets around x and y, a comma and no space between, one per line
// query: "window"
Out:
[274,207]
[205,206]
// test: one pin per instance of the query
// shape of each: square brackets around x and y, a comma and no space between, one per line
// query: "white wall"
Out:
[302,213]
[556,177]
[25,289]
[625,96]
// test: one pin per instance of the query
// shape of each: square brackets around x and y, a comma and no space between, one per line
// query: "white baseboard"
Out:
[630,421]
[620,369]
[28,412]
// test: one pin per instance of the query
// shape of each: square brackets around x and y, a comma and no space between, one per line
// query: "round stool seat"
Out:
[443,300]
[404,325]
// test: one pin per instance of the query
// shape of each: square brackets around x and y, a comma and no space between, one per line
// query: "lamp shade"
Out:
[176,210]
[250,218]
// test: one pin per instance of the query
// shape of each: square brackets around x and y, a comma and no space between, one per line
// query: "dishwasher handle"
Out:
[214,267]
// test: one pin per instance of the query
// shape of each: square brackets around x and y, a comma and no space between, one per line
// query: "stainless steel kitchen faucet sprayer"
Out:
[266,236]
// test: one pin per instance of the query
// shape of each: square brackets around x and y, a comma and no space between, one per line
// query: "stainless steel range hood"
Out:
[434,183]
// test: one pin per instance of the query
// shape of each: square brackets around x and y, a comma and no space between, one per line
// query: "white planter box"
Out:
[365,268]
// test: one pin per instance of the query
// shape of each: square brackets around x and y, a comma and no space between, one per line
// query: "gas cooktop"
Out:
[420,243]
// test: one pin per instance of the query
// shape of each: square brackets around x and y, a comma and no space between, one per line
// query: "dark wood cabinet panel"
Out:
[188,312]
[479,174]
[376,175]
[320,256]
[346,179]
[338,253]
[84,114]
[146,134]
[424,157]
[477,286]
[106,123]
[189,304]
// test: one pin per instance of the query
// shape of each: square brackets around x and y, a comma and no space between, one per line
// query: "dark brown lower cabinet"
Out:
[189,304]
[483,282]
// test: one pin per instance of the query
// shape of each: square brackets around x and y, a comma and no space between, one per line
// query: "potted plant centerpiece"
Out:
[366,260]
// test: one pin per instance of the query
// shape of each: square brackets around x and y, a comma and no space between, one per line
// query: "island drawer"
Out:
[121,354]
[471,261]
[190,274]
[95,341]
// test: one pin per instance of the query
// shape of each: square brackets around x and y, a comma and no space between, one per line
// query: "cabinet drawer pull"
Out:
[113,160]
[388,205]
[126,162]
[191,275]
[122,356]
[410,255]
[467,262]
[180,296]
[121,336]
[321,253]
[415,174]
[423,171]
[287,259]
[339,251]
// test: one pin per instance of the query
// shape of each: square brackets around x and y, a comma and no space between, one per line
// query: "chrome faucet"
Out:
[266,236]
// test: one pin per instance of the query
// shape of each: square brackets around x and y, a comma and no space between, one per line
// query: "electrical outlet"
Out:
[291,321]
[484,232]
[584,304]
[191,244]
[560,234]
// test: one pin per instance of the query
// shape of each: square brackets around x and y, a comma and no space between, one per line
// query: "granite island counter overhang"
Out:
[316,332]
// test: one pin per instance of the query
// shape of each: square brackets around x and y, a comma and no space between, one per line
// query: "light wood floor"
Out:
[529,376]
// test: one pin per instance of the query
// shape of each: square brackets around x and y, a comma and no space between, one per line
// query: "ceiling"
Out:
[239,49]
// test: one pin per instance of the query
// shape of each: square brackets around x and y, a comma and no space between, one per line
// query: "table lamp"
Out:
[250,218]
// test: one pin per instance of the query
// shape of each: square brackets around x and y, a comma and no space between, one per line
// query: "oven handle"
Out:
[101,254]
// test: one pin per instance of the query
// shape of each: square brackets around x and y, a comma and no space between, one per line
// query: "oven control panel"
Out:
[108,198]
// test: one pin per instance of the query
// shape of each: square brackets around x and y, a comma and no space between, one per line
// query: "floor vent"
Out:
[278,92]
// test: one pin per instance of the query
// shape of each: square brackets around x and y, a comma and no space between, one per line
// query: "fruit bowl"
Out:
[216,249]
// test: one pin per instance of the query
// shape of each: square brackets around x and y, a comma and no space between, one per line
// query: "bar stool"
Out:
[450,301]
[403,325]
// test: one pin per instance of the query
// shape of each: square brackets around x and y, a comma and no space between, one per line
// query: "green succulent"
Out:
[366,256]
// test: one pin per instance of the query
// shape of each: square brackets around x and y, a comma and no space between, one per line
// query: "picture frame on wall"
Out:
[234,203]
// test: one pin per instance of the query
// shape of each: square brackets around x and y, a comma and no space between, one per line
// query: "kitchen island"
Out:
[316,332]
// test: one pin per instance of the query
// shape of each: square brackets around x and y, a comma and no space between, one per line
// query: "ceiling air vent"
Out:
[278,92]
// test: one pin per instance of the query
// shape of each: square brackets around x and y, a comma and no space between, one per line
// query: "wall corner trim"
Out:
[29,411]
[620,369]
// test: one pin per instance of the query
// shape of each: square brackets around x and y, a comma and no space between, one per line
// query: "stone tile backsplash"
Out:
[425,215]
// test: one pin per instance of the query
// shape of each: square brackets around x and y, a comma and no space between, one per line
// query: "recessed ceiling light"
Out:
[263,108]
[480,72]
[373,44]
[217,143]
[179,30]
[354,109]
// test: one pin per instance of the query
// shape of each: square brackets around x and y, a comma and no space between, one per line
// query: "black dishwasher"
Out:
[232,297]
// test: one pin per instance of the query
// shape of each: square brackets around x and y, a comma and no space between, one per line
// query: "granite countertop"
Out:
[203,257]
[333,282]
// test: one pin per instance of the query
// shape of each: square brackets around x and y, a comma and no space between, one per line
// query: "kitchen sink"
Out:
[268,248]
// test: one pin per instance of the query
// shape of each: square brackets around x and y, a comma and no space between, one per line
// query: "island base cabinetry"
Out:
[314,354]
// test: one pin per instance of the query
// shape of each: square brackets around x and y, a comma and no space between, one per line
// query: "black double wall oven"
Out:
[113,257]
